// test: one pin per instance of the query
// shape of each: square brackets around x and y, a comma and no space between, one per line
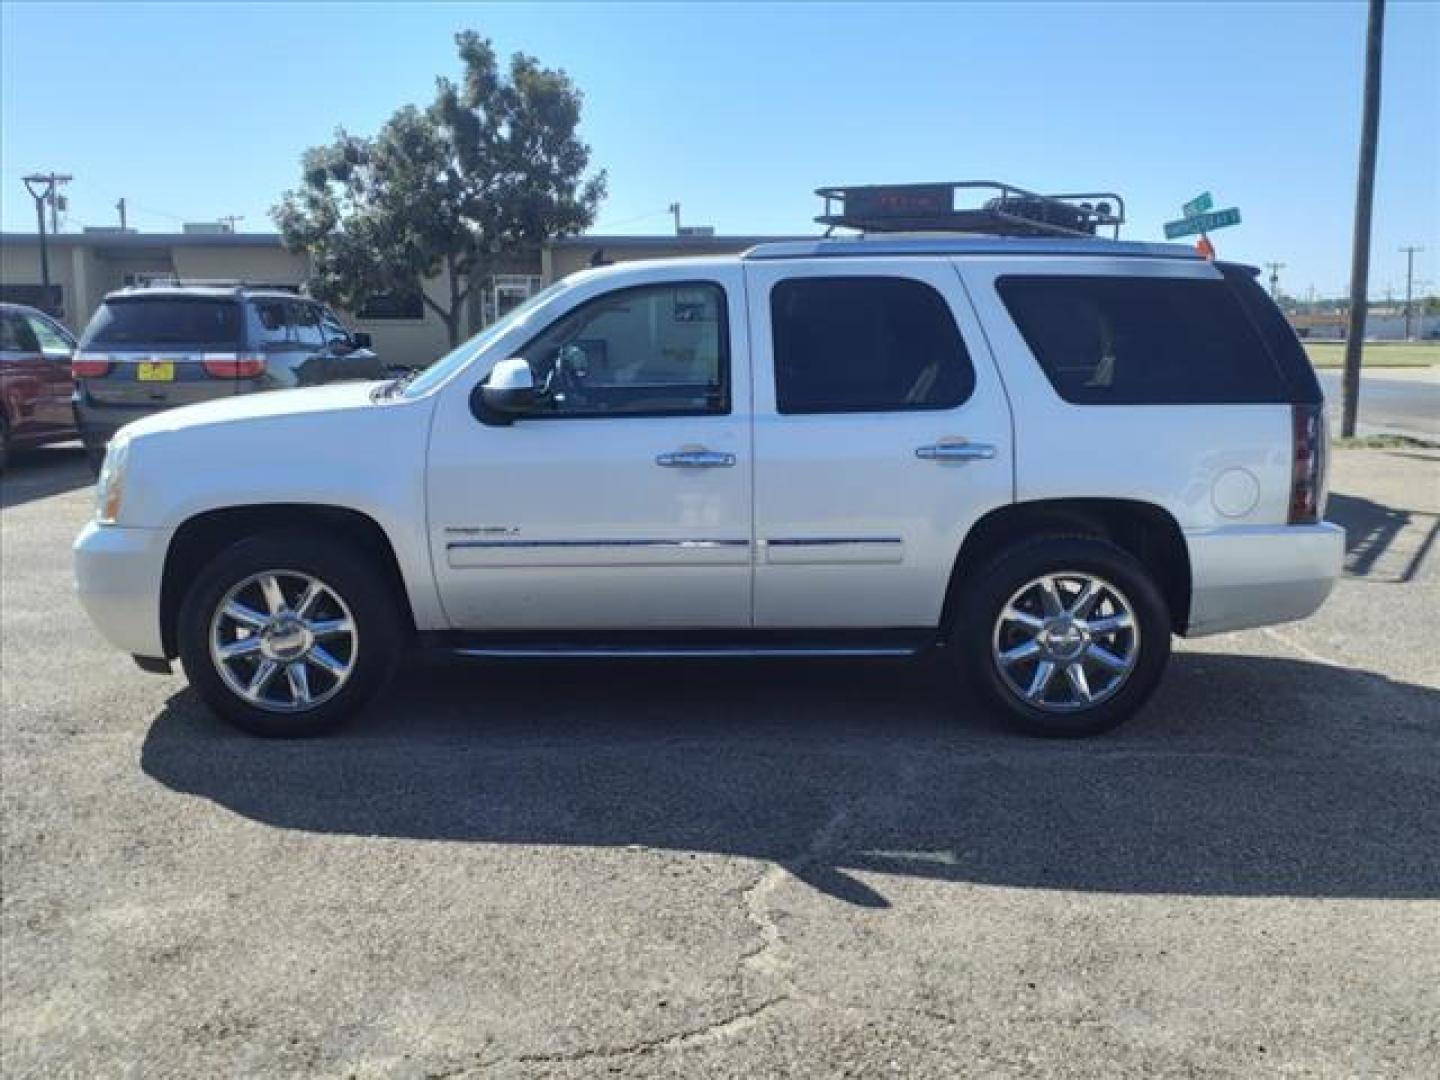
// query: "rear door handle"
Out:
[956,451]
[696,459]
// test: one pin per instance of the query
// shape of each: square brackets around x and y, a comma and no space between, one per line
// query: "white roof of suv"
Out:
[950,244]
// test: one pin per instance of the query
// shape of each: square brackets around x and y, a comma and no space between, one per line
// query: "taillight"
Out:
[88,366]
[1307,469]
[233,365]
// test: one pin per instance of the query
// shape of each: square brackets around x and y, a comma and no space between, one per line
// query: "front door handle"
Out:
[696,459]
[956,451]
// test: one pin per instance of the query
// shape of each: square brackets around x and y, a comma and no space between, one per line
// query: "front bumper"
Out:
[118,572]
[1246,576]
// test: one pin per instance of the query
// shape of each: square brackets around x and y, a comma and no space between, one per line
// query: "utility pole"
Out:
[229,220]
[120,206]
[1275,268]
[1409,284]
[41,187]
[675,209]
[1364,205]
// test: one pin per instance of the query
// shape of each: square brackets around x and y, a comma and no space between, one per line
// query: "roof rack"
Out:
[175,282]
[1009,210]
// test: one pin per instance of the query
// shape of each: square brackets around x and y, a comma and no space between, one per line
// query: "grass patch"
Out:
[1382,442]
[1376,354]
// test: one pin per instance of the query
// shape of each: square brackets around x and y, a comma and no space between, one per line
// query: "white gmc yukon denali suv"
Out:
[1042,456]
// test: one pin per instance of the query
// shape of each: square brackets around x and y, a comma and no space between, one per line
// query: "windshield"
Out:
[165,321]
[459,356]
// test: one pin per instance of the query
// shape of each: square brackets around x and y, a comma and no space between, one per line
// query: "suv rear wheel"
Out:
[288,633]
[1066,635]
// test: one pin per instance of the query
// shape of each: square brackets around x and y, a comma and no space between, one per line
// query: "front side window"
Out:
[333,329]
[865,344]
[652,350]
[1142,341]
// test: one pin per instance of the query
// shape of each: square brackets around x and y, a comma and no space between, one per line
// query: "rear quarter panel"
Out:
[1209,466]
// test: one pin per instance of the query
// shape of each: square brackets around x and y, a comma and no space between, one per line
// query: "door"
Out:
[57,348]
[22,377]
[882,433]
[623,499]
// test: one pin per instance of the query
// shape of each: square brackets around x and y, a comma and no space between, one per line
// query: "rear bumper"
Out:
[1246,576]
[118,572]
[98,424]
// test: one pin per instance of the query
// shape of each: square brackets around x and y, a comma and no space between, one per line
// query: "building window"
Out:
[52,302]
[392,306]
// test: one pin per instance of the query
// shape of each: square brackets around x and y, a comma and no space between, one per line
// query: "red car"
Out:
[35,380]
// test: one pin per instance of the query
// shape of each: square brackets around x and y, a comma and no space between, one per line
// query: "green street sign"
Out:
[1202,223]
[1198,205]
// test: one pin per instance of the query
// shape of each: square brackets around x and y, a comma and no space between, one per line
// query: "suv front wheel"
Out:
[1066,635]
[288,633]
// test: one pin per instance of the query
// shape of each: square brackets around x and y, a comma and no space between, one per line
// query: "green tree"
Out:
[490,170]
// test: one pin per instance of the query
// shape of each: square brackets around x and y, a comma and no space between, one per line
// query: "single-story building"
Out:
[85,266]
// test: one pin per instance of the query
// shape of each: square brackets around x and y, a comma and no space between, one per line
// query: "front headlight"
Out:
[110,488]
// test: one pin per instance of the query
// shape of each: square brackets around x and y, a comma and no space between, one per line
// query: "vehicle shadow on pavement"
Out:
[1246,776]
[1372,530]
[42,472]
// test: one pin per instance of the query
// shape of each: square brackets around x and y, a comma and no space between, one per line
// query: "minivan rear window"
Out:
[1105,340]
[164,321]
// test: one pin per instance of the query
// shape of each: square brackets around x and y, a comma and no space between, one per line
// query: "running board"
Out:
[681,645]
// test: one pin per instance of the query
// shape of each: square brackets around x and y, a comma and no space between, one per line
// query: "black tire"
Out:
[95,458]
[977,634]
[4,444]
[348,574]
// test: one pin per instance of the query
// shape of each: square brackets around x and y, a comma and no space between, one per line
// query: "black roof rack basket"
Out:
[1008,210]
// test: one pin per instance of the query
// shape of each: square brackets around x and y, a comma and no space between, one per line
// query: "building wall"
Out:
[21,266]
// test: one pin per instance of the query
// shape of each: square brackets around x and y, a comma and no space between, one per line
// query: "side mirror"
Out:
[507,392]
[361,340]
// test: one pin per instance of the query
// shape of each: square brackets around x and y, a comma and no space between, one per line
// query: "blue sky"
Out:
[192,111]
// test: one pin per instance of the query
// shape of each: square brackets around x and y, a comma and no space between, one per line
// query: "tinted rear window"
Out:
[1143,341]
[1279,335]
[164,321]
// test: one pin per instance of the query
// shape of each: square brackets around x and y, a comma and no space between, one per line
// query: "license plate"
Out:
[155,371]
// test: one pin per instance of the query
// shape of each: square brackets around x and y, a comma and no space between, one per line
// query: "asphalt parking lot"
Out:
[813,869]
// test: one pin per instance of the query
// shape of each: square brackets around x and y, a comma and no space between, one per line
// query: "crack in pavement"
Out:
[764,961]
[701,1036]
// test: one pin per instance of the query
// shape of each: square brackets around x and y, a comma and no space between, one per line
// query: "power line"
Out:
[631,221]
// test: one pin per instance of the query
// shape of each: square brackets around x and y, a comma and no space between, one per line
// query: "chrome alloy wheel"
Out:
[283,641]
[1066,641]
